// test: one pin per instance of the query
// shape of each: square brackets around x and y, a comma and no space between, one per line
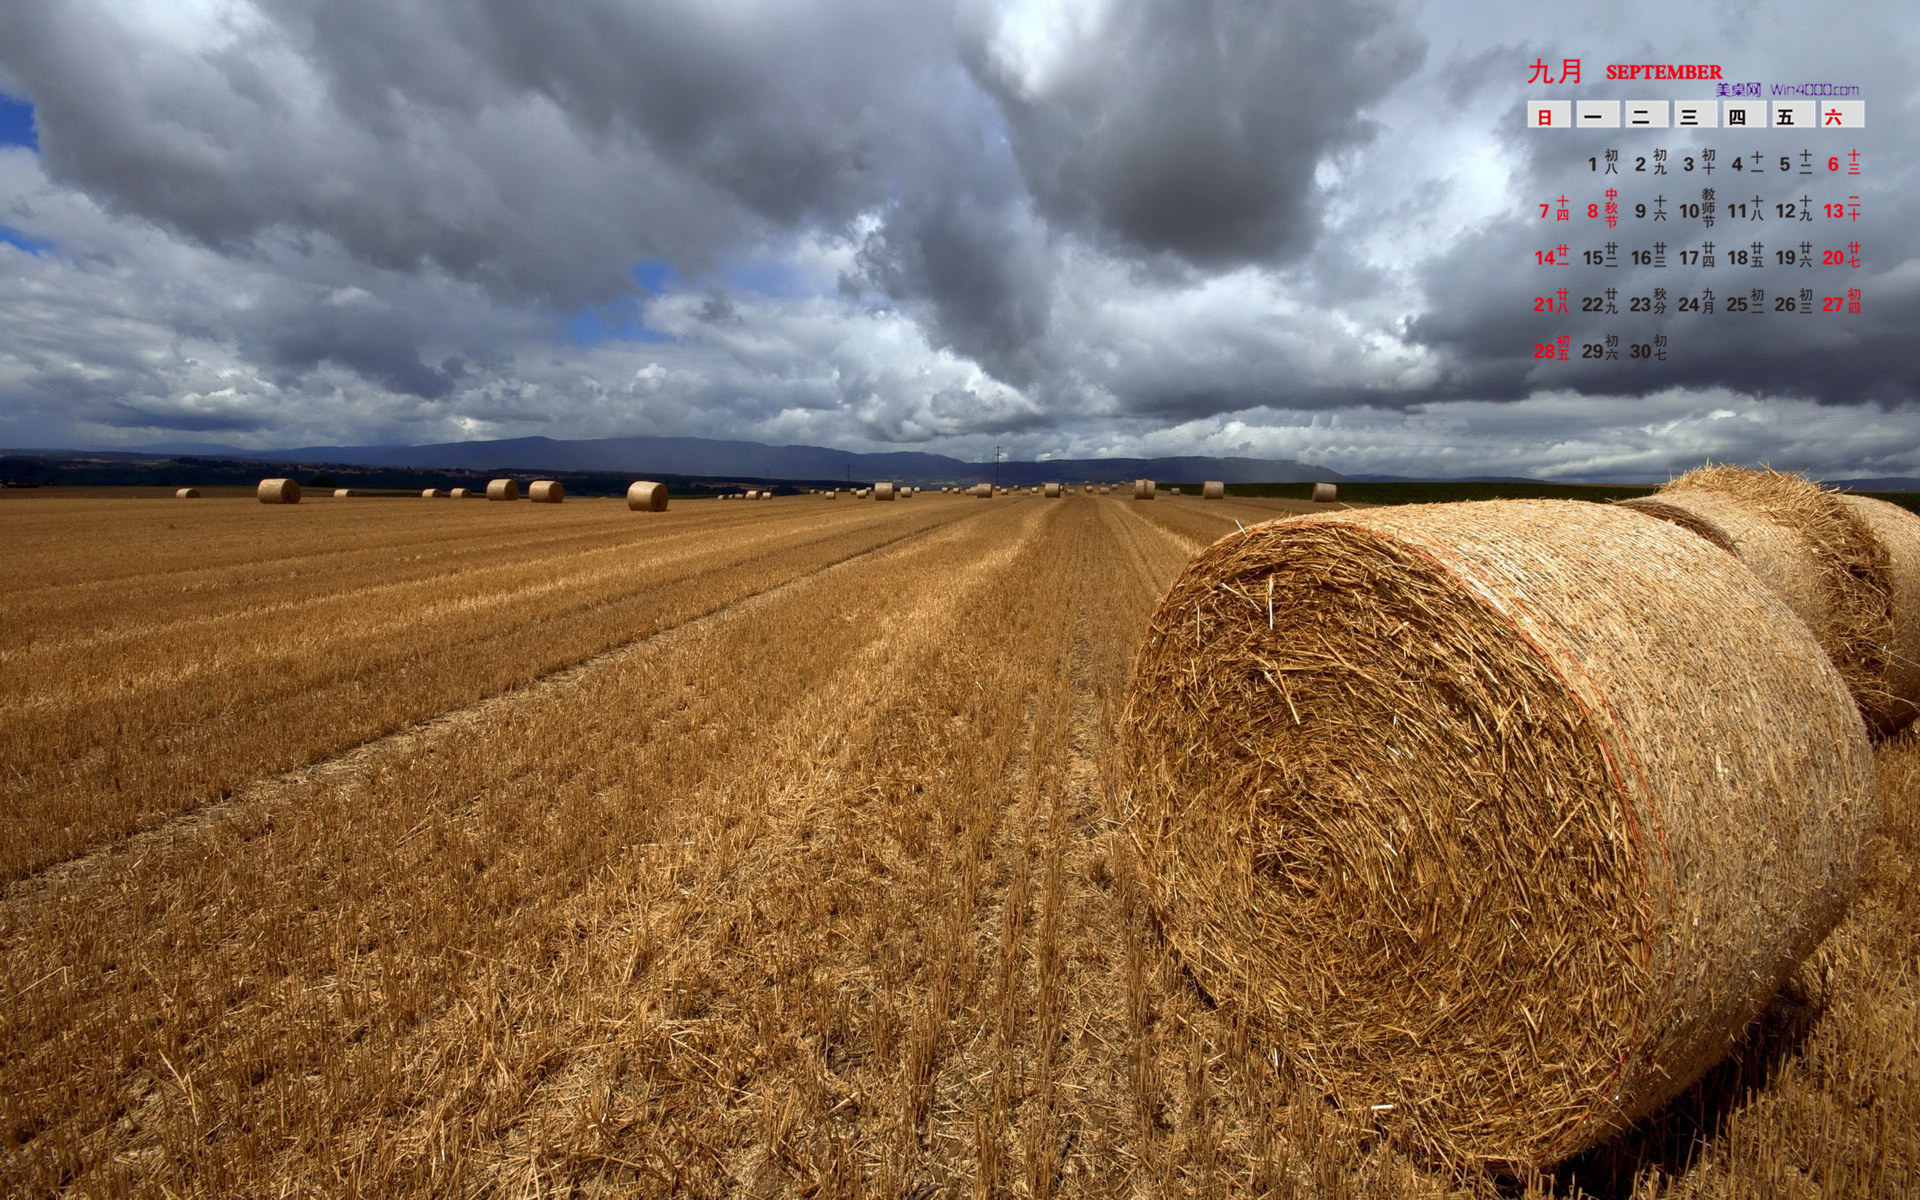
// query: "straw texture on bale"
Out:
[1325,493]
[1898,532]
[1143,489]
[1510,816]
[1053,489]
[1816,553]
[644,495]
[546,491]
[278,491]
[883,491]
[1213,489]
[503,489]
[187,494]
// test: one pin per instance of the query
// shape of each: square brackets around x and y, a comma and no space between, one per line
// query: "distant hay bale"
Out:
[644,495]
[278,491]
[834,494]
[982,490]
[1325,493]
[433,494]
[1816,553]
[1499,821]
[1053,489]
[883,491]
[1213,489]
[546,491]
[1898,532]
[503,489]
[1104,489]
[1173,491]
[342,493]
[1143,489]
[187,494]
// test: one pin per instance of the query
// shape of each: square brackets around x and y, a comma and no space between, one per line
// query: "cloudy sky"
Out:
[1300,228]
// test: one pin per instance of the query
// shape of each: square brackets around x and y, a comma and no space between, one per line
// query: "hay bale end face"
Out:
[1325,493]
[1213,489]
[1898,533]
[546,491]
[1143,489]
[883,491]
[1500,821]
[187,494]
[644,495]
[278,491]
[503,489]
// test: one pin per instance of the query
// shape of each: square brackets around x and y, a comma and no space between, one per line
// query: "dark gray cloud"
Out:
[1194,127]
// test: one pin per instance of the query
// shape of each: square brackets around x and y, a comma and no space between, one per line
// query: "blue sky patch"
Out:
[13,237]
[16,123]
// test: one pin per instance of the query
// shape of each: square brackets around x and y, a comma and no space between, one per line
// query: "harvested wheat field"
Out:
[429,850]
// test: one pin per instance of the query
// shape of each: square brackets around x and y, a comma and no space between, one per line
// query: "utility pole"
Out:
[996,468]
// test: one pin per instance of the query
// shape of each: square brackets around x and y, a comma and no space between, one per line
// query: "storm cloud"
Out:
[1304,228]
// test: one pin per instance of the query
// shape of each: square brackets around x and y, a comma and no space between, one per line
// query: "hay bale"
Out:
[834,494]
[433,493]
[1325,493]
[461,494]
[1143,489]
[883,491]
[1510,815]
[187,494]
[644,495]
[1054,490]
[278,491]
[1213,489]
[546,491]
[503,489]
[342,493]
[1815,552]
[1898,532]
[983,490]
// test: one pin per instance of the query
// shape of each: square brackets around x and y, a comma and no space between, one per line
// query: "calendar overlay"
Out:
[1755,210]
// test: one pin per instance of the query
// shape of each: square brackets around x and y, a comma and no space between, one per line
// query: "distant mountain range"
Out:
[688,456]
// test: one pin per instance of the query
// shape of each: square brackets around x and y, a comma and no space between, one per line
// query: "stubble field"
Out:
[384,847]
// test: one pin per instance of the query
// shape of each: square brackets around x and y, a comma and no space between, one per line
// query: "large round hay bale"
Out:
[342,493]
[278,491]
[1053,489]
[982,490]
[503,489]
[1898,532]
[1500,821]
[646,496]
[1213,489]
[187,494]
[461,494]
[433,493]
[1325,493]
[1813,550]
[883,491]
[546,491]
[1143,489]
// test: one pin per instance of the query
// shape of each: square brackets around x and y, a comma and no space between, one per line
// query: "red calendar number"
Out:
[1543,350]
